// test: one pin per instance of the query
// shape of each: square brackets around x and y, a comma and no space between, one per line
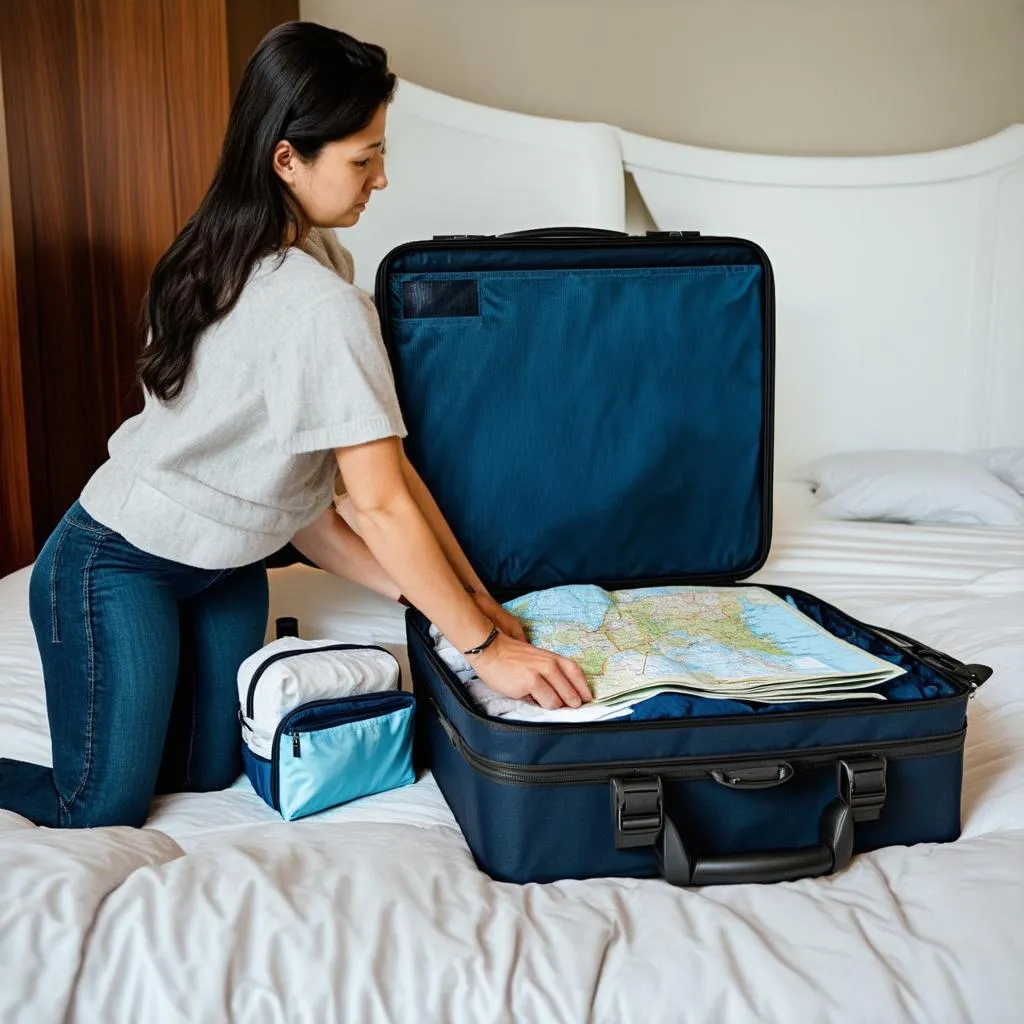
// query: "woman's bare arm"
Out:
[457,559]
[334,546]
[390,521]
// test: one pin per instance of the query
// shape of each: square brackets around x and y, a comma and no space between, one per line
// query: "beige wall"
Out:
[774,76]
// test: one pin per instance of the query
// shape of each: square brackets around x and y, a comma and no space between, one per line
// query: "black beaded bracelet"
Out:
[491,637]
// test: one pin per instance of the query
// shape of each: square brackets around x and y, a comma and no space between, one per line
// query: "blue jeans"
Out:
[140,657]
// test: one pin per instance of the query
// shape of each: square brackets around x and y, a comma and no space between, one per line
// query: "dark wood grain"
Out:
[115,114]
[248,22]
[128,177]
[63,400]
[16,534]
[196,74]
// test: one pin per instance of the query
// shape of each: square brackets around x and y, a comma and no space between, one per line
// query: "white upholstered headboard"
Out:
[899,285]
[899,280]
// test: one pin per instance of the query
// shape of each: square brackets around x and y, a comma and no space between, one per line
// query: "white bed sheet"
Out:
[220,911]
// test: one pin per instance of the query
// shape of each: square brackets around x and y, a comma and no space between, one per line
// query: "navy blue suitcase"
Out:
[589,407]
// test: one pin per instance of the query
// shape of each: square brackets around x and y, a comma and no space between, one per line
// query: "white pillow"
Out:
[1005,463]
[912,487]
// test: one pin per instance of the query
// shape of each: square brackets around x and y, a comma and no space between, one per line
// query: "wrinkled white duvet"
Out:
[219,911]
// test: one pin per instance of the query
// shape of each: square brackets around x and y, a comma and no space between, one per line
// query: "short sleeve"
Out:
[329,384]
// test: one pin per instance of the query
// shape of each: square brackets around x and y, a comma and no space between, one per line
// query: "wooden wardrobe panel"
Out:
[128,178]
[59,373]
[196,72]
[115,114]
[16,535]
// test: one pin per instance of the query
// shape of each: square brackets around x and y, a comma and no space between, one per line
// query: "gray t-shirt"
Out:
[238,463]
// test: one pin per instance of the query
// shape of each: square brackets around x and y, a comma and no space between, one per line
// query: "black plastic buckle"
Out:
[861,784]
[637,810]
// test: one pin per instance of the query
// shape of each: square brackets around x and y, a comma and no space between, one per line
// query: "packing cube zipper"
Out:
[336,749]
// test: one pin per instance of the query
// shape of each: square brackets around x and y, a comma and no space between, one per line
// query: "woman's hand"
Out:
[504,620]
[517,669]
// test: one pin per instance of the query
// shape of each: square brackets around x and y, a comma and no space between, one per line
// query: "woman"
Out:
[264,376]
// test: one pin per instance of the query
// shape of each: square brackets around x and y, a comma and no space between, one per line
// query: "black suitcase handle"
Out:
[639,819]
[567,232]
[831,853]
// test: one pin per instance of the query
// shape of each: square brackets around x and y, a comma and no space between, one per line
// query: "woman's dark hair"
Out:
[305,83]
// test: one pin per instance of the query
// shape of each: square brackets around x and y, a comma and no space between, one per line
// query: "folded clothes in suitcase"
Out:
[593,408]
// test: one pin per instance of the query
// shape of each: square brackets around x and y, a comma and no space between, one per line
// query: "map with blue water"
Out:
[740,643]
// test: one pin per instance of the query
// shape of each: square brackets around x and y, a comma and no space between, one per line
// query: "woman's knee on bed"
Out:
[221,627]
[108,806]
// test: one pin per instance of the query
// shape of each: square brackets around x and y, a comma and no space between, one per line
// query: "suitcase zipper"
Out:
[554,728]
[683,768]
[250,698]
[967,678]
[972,676]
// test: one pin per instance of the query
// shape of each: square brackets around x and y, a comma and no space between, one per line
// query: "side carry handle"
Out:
[973,675]
[639,819]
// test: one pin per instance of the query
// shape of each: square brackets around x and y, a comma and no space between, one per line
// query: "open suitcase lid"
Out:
[586,406]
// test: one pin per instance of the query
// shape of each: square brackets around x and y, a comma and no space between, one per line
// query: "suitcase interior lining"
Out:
[600,424]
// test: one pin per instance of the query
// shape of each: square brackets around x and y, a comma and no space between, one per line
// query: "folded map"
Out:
[737,643]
